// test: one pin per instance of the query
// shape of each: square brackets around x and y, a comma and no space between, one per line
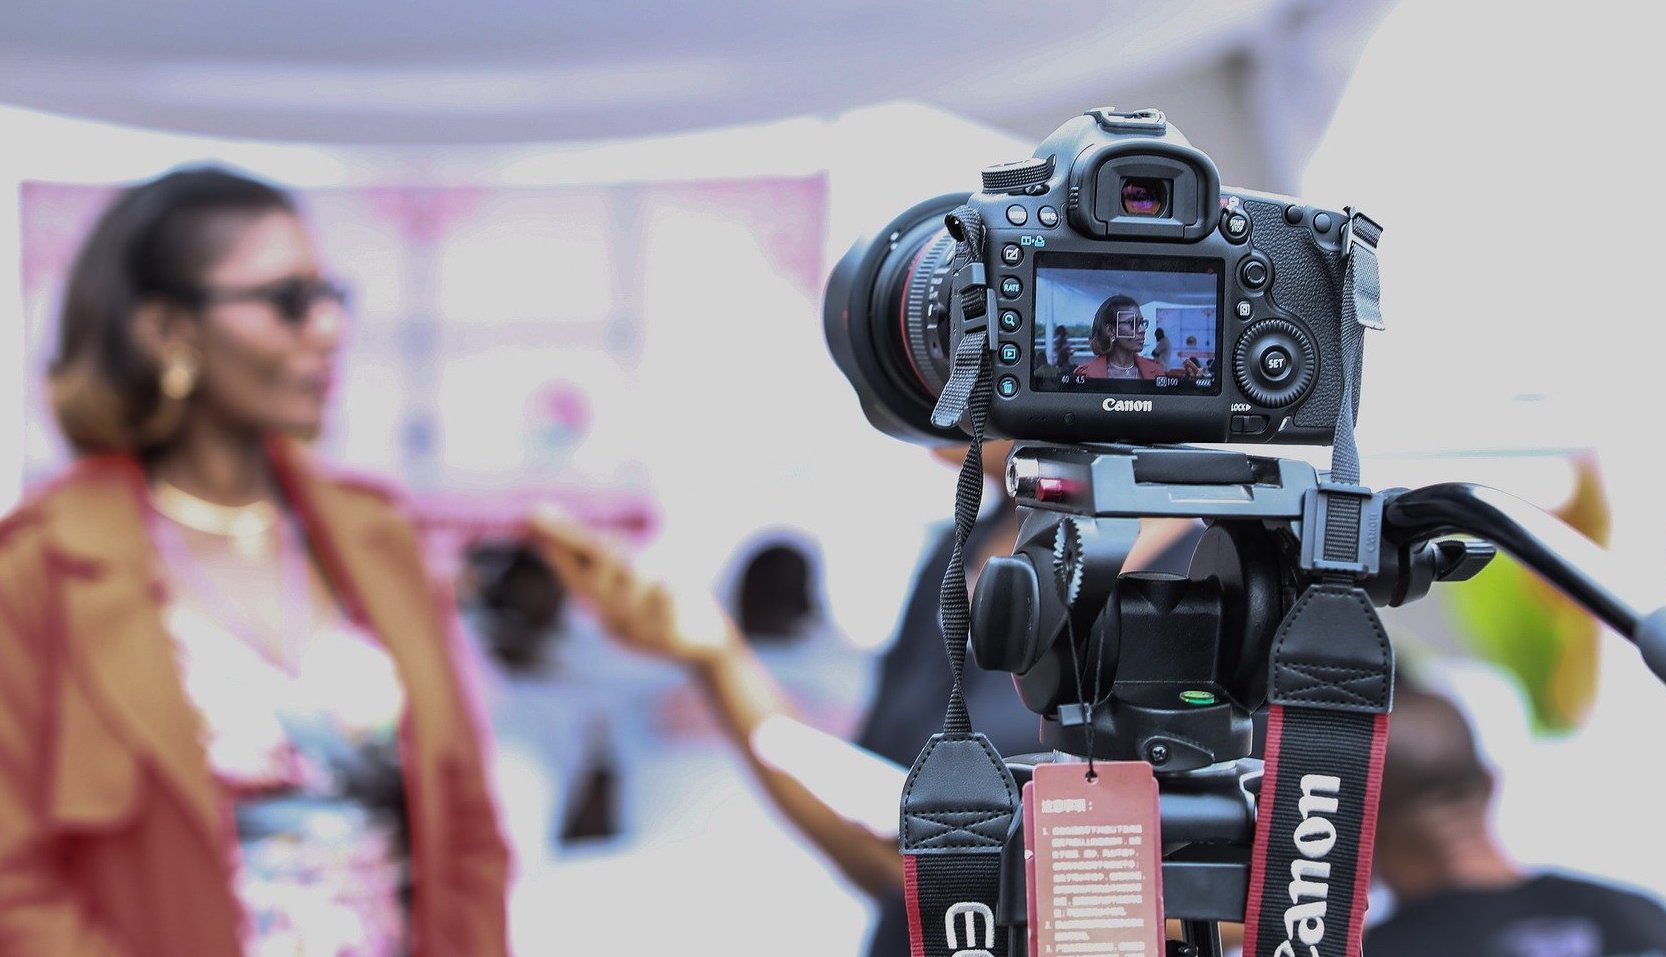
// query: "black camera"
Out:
[1126,298]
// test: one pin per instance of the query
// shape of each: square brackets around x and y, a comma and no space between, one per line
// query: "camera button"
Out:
[1275,363]
[1047,216]
[1249,424]
[1236,226]
[1244,309]
[1010,320]
[1010,353]
[1253,273]
[1007,386]
[1011,254]
[1017,215]
[1322,222]
[1012,287]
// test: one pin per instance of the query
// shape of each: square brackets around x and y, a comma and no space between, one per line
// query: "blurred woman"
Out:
[230,719]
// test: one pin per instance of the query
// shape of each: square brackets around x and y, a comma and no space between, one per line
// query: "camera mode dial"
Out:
[1274,362]
[1016,177]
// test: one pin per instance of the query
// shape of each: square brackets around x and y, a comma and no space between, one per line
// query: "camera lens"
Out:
[1145,196]
[886,318]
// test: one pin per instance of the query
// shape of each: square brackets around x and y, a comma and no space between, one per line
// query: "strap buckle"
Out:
[1342,530]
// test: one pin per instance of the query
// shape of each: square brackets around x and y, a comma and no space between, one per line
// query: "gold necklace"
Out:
[246,525]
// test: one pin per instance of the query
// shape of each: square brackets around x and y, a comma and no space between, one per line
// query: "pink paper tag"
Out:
[1093,856]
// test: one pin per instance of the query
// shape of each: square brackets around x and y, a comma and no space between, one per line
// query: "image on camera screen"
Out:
[1140,325]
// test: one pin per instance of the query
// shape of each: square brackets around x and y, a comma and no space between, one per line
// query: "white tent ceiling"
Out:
[1250,81]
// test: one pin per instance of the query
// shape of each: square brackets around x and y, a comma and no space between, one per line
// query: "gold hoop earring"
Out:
[179,376]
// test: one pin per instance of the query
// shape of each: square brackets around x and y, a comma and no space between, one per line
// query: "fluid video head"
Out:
[1127,297]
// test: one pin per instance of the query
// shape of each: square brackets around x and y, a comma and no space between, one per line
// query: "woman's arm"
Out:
[40,915]
[643,615]
[477,856]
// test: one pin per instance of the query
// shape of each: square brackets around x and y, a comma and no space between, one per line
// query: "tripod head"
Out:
[1180,662]
[1171,669]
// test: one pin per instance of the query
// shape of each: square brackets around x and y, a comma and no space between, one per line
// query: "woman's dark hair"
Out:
[1101,340]
[773,601]
[521,603]
[155,240]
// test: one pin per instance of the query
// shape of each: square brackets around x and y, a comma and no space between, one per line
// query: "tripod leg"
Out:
[1198,938]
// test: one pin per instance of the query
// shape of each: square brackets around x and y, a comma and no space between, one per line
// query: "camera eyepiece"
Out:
[1145,196]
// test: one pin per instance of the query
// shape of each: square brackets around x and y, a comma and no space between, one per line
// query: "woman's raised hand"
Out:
[640,612]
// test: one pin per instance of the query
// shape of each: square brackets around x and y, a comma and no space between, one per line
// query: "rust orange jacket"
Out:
[114,840]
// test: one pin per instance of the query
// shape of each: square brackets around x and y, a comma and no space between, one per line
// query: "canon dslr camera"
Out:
[1126,297]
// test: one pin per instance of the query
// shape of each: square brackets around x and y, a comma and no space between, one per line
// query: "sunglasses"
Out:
[293,299]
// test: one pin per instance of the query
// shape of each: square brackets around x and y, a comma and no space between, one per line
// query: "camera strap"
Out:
[1330,691]
[959,800]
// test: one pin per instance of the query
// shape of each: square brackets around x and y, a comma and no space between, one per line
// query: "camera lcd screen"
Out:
[1136,325]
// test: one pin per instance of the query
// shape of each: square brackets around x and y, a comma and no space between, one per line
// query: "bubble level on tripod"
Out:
[1197,697]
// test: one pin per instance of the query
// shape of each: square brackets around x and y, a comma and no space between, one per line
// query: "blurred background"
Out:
[586,246]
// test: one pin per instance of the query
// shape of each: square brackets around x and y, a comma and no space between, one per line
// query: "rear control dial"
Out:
[1274,362]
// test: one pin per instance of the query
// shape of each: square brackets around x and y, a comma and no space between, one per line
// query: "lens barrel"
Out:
[886,318]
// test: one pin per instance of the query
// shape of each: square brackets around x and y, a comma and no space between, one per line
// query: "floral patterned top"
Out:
[307,751]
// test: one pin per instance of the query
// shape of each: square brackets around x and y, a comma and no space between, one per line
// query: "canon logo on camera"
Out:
[1126,405]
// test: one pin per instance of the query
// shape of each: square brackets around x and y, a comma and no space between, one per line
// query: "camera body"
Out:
[1115,238]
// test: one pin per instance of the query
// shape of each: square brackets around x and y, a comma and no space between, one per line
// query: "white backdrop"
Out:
[1508,154]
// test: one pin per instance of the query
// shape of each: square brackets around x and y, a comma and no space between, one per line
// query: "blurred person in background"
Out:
[1064,354]
[1456,889]
[905,708]
[1163,350]
[555,749]
[232,719]
[779,607]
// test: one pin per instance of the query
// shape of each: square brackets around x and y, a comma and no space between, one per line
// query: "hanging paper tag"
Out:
[1097,880]
[1028,807]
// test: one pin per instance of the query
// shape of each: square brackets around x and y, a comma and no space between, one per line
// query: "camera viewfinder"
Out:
[1145,196]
